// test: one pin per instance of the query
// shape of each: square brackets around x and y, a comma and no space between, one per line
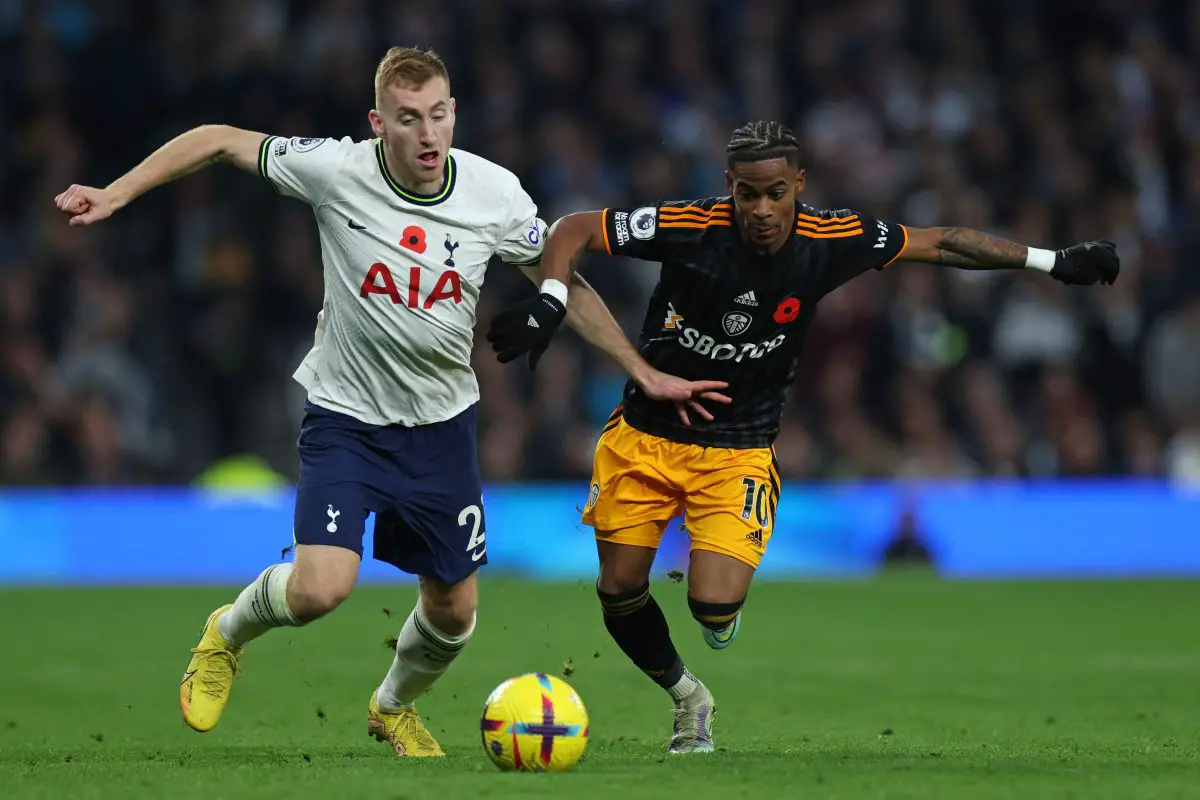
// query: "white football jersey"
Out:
[403,273]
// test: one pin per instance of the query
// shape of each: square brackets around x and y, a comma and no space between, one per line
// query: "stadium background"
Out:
[155,350]
[998,424]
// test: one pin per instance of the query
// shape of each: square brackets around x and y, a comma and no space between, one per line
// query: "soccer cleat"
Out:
[693,722]
[402,729]
[720,639]
[206,683]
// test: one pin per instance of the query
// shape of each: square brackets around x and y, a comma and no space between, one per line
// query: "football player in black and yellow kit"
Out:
[741,279]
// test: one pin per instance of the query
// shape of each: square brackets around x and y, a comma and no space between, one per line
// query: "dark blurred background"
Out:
[162,341]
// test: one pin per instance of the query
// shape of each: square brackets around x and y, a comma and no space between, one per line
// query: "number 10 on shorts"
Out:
[756,501]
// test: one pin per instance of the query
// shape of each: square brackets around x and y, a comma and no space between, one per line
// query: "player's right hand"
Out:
[85,204]
[526,327]
[684,394]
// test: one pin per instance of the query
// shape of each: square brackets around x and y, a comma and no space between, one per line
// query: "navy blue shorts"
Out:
[422,483]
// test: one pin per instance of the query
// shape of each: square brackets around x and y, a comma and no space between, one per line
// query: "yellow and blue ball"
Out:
[534,723]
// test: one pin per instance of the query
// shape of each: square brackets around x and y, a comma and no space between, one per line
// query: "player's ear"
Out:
[728,181]
[799,181]
[376,120]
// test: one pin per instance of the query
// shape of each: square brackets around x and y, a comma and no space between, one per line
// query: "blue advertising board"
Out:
[970,530]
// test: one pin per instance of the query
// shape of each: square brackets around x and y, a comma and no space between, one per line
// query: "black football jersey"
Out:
[722,312]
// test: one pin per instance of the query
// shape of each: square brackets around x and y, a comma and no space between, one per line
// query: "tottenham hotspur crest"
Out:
[735,323]
[450,248]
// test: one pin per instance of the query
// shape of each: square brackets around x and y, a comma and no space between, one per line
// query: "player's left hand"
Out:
[1087,263]
[684,394]
[526,327]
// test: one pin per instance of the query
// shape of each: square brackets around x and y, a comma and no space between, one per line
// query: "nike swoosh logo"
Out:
[354,226]
[186,677]
[476,556]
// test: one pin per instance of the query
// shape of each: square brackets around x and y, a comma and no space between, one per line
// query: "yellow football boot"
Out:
[208,680]
[402,729]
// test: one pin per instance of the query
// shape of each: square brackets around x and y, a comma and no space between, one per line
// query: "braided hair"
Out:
[763,140]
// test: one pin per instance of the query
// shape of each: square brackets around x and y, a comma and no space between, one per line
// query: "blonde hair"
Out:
[408,66]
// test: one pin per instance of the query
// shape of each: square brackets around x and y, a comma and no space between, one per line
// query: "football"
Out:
[534,723]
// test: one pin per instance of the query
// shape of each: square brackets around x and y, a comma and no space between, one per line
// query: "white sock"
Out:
[683,687]
[423,653]
[261,606]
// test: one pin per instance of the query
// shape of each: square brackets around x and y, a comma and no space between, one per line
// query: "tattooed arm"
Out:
[963,248]
[1083,264]
[1080,264]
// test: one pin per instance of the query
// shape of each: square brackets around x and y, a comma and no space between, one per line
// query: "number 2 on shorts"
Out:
[478,543]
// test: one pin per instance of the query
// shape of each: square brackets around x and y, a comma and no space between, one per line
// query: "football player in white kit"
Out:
[407,226]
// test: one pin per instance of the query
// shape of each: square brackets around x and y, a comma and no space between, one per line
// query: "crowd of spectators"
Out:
[149,347]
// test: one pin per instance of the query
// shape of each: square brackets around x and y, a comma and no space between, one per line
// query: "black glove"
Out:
[1087,263]
[526,327]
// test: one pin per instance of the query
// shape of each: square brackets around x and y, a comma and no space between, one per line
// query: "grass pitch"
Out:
[897,688]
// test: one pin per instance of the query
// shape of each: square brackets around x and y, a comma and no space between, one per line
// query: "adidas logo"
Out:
[533,323]
[755,537]
[747,299]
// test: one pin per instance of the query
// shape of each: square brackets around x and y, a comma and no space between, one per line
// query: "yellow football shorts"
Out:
[727,496]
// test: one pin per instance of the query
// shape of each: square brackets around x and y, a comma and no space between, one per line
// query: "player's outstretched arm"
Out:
[185,153]
[1080,264]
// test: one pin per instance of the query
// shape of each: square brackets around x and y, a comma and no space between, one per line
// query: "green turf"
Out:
[903,687]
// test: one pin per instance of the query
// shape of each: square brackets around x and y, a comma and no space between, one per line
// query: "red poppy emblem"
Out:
[787,310]
[414,239]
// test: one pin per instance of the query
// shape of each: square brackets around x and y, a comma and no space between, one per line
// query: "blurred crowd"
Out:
[149,347]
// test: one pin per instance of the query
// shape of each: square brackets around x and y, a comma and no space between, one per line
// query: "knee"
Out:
[622,592]
[311,597]
[712,614]
[621,579]
[310,602]
[322,578]
[451,608]
[624,582]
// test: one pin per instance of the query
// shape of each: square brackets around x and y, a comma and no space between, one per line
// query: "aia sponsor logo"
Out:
[380,280]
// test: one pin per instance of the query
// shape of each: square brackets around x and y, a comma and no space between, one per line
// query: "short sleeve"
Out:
[524,233]
[302,168]
[858,243]
[632,232]
[650,232]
